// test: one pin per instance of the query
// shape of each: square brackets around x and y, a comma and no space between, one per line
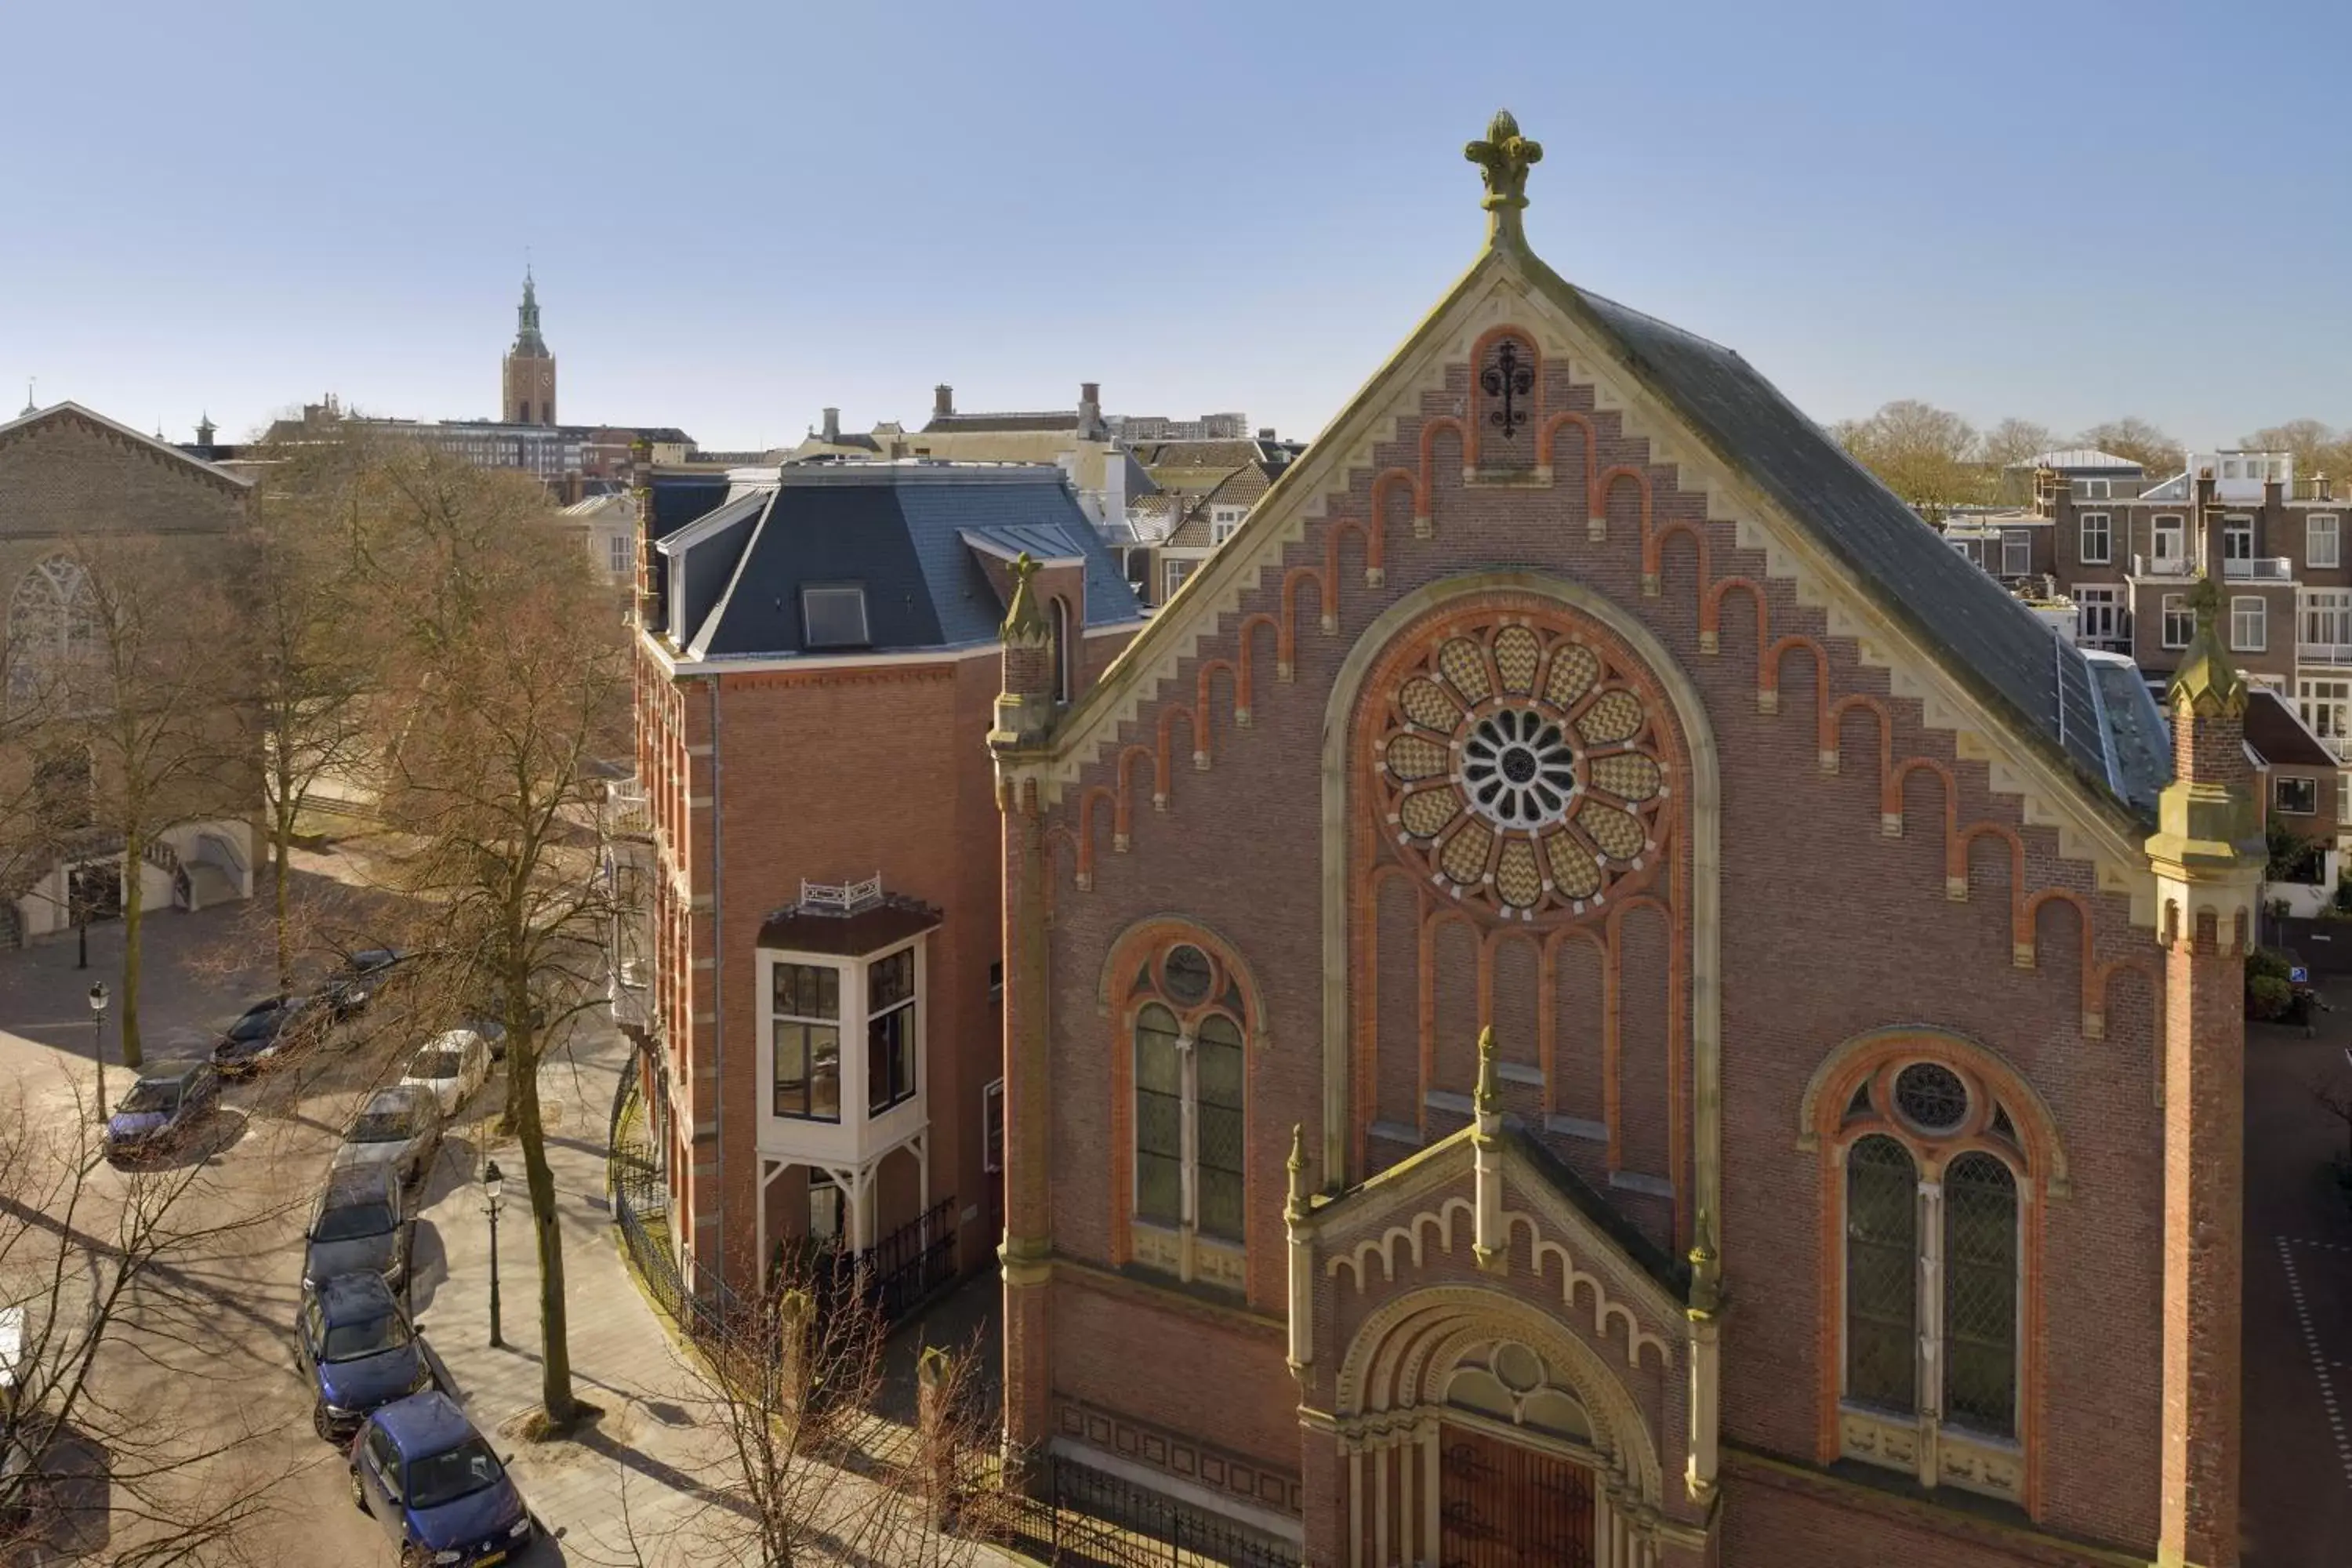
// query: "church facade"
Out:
[1636,1009]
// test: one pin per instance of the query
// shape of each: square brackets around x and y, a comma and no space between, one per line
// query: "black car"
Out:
[356,980]
[359,1225]
[168,1100]
[358,1350]
[264,1030]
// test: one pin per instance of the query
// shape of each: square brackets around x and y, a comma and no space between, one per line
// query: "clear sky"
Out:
[739,213]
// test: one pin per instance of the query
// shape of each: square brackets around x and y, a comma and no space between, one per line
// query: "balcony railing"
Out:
[2335,653]
[628,813]
[2161,566]
[2256,569]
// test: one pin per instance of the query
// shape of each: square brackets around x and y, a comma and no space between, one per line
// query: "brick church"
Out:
[1588,994]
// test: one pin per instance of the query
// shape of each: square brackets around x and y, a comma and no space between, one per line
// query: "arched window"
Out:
[53,635]
[1980,1294]
[1935,1276]
[1882,1265]
[1189,1209]
[1061,649]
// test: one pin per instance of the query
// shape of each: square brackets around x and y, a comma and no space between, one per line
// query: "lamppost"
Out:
[493,1191]
[97,1041]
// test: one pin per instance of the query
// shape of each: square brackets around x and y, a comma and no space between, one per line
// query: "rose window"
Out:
[1519,768]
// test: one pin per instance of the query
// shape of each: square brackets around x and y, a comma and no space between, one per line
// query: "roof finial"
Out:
[1295,1206]
[2207,680]
[1504,158]
[1025,623]
[30,407]
[1488,1099]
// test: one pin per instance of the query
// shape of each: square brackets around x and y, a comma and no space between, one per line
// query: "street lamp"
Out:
[97,1041]
[493,1195]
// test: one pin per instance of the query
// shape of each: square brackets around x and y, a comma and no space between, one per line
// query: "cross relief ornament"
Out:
[1502,160]
[1510,381]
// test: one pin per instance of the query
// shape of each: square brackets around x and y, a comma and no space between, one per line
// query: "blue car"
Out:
[263,1030]
[358,1350]
[167,1100]
[431,1481]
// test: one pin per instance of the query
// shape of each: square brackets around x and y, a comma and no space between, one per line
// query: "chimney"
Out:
[1089,411]
[1114,488]
[832,426]
[942,401]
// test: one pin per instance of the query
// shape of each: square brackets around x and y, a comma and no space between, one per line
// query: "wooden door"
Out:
[1502,1506]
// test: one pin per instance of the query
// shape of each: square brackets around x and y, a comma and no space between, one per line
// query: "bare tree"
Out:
[2317,447]
[808,1469]
[1923,454]
[505,682]
[108,1456]
[2136,438]
[2015,441]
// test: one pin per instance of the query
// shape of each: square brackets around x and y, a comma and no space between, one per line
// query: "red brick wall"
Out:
[1830,928]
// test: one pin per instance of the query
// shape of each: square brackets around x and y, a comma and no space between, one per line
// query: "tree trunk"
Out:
[281,834]
[134,903]
[522,1097]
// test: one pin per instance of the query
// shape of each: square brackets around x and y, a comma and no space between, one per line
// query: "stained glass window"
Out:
[1186,974]
[1219,1050]
[1158,1118]
[1931,1097]
[1881,1300]
[1980,1294]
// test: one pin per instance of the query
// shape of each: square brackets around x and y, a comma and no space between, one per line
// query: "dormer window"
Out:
[834,618]
[1224,521]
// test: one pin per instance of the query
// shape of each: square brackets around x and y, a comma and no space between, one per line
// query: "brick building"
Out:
[1636,1009]
[815,851]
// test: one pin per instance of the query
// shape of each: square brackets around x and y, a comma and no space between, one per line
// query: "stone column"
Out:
[2208,855]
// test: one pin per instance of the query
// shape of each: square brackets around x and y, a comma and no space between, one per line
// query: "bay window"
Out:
[889,1031]
[806,1023]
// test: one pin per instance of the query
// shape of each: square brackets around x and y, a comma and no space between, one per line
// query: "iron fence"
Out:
[1077,1515]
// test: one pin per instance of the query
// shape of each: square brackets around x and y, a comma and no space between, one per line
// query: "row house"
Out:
[810,839]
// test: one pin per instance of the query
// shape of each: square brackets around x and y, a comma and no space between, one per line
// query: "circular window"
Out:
[1519,768]
[1931,1097]
[1186,975]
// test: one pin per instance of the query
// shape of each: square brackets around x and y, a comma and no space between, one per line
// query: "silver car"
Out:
[400,1127]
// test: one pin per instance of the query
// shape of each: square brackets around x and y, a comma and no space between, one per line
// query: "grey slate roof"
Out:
[1980,629]
[734,583]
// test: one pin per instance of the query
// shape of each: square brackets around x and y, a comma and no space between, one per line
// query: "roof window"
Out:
[834,618]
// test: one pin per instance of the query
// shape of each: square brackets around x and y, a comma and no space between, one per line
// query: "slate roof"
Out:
[896,529]
[1982,632]
[2138,740]
[2279,735]
[949,424]
[2083,459]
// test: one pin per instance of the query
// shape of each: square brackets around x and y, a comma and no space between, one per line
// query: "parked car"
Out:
[359,1351]
[355,980]
[423,1473]
[265,1028]
[400,1127]
[359,1225]
[452,1066]
[169,1098]
[493,1033]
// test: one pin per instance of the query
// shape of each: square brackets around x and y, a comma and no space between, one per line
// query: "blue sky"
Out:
[739,213]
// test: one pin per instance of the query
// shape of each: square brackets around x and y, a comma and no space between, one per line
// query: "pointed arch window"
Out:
[53,637]
[1188,1204]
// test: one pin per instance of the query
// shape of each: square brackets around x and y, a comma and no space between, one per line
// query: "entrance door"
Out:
[1503,1505]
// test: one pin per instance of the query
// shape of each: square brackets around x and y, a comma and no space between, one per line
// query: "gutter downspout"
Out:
[718,979]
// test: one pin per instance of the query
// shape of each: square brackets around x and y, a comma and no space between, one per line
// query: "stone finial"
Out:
[2207,683]
[1295,1208]
[1025,625]
[1504,158]
[1707,1271]
[1489,1098]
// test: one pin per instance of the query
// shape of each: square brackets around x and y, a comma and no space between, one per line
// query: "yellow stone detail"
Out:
[1465,668]
[1573,870]
[1574,669]
[1516,654]
[1423,813]
[1613,716]
[1616,833]
[1464,857]
[1628,775]
[1425,703]
[1518,875]
[1414,757]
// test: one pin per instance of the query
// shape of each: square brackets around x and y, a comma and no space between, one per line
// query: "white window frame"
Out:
[2248,624]
[853,1138]
[2327,618]
[2281,783]
[2322,526]
[1966,549]
[2179,621]
[620,555]
[2169,528]
[2016,553]
[2231,468]
[843,976]
[2105,533]
[2099,602]
[2095,489]
[2325,706]
[1173,571]
[2237,537]
[1224,521]
[911,1005]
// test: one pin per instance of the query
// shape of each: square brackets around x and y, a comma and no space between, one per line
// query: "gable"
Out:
[67,470]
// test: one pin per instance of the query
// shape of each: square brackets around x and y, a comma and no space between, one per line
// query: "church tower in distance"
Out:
[529,379]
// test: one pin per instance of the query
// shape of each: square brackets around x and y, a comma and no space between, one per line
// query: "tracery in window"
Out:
[1190,1145]
[53,637]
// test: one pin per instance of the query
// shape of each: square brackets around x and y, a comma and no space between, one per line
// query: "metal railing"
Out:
[2259,569]
[2337,653]
[1075,1514]
[628,810]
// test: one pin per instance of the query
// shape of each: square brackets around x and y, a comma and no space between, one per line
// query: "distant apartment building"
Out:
[813,841]
[1196,493]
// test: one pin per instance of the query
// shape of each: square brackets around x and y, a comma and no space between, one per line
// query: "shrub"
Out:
[2266,964]
[2268,997]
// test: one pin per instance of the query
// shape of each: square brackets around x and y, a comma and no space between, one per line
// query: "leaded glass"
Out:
[1218,1059]
[1882,1299]
[1158,1118]
[1186,974]
[1931,1095]
[1980,1294]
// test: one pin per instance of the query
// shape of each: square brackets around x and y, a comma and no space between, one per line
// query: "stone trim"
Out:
[1220,1472]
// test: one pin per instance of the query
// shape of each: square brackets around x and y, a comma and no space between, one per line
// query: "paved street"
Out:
[631,1489]
[2298,1327]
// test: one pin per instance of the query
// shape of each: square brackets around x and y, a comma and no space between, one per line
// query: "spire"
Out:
[30,407]
[528,343]
[2207,679]
[1504,158]
[1024,627]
